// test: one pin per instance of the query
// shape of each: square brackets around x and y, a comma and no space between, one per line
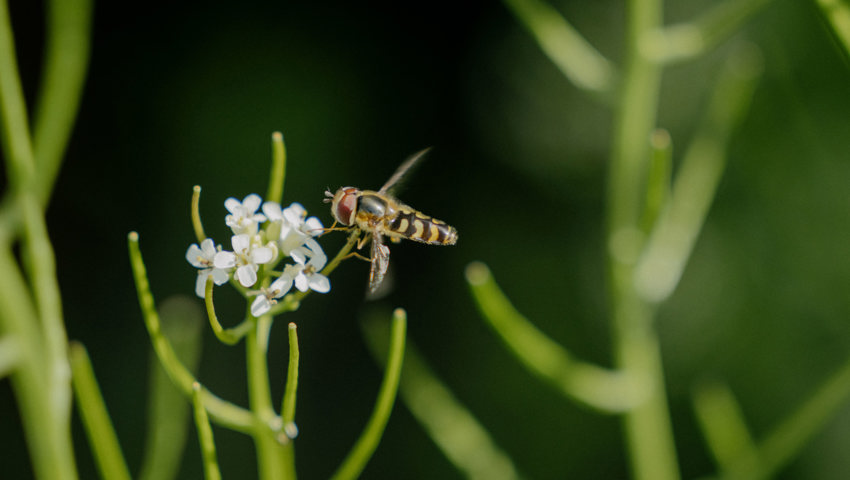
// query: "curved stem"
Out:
[222,412]
[271,460]
[229,336]
[101,433]
[365,446]
[602,389]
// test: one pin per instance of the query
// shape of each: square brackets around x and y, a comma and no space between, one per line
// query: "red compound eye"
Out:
[345,205]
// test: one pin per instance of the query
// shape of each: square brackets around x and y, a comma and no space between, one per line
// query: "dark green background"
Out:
[188,94]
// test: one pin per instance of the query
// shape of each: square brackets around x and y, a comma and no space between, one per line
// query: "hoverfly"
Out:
[380,215]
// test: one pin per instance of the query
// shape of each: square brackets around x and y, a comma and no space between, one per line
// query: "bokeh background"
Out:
[189,93]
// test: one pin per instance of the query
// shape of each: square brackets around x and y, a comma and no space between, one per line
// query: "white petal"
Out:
[220,277]
[273,211]
[301,282]
[232,205]
[294,214]
[208,247]
[195,255]
[320,283]
[299,255]
[240,242]
[262,255]
[260,306]
[251,203]
[314,226]
[201,283]
[281,286]
[224,260]
[247,275]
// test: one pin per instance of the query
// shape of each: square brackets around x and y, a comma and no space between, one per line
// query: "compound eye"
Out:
[372,205]
[344,205]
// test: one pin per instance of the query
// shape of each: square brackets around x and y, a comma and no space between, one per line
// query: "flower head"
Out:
[305,274]
[268,296]
[245,257]
[203,258]
[243,216]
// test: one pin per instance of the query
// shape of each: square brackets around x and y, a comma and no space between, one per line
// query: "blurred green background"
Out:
[189,93]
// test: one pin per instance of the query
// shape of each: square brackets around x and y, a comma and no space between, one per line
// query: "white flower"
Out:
[306,275]
[268,296]
[245,257]
[295,231]
[203,258]
[243,216]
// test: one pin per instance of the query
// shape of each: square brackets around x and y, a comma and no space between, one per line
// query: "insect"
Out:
[379,215]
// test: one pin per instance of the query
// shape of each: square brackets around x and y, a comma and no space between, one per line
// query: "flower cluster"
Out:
[263,239]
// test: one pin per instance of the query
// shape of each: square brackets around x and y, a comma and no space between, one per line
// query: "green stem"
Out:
[837,14]
[65,64]
[271,460]
[197,225]
[229,336]
[599,388]
[101,434]
[577,59]
[278,172]
[205,435]
[222,412]
[648,431]
[288,407]
[365,446]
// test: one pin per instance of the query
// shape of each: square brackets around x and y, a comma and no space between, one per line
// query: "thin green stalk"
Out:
[271,461]
[288,407]
[197,225]
[837,13]
[289,396]
[49,444]
[672,240]
[648,430]
[577,59]
[594,386]
[278,172]
[221,411]
[65,65]
[365,446]
[205,435]
[15,134]
[167,409]
[107,452]
[10,355]
[455,430]
[723,426]
[689,40]
[787,439]
[229,336]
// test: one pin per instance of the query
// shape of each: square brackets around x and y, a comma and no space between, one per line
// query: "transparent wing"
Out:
[403,169]
[380,262]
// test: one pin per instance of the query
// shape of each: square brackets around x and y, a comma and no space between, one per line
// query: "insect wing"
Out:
[380,262]
[401,170]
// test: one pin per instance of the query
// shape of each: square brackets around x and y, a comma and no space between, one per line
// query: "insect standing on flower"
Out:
[380,215]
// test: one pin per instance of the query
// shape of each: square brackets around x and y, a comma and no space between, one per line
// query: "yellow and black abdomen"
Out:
[417,226]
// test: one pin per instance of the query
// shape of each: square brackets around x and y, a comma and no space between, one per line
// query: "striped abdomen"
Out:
[413,225]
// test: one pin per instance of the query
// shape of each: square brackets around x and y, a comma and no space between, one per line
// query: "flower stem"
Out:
[101,434]
[278,172]
[365,446]
[197,225]
[221,411]
[271,461]
[205,435]
[648,430]
[229,336]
